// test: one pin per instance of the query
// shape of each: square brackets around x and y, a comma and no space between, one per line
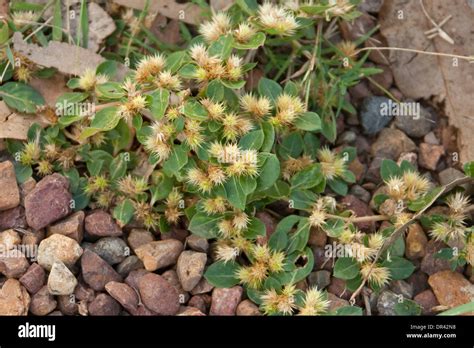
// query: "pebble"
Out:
[26,188]
[373,6]
[32,238]
[401,287]
[199,303]
[336,302]
[14,299]
[112,249]
[61,281]
[202,287]
[427,300]
[96,271]
[321,261]
[72,227]
[338,288]
[10,197]
[158,295]
[419,281]
[448,175]
[13,218]
[384,79]
[317,237]
[138,237]
[42,303]
[451,288]
[359,208]
[347,137]
[104,305]
[100,224]
[48,202]
[391,143]
[197,243]
[9,239]
[431,264]
[123,294]
[34,278]
[358,168]
[370,115]
[269,222]
[320,279]
[13,264]
[159,254]
[416,242]
[410,157]
[67,305]
[430,155]
[58,248]
[225,300]
[361,193]
[419,127]
[130,263]
[172,278]
[386,303]
[431,138]
[134,277]
[246,308]
[175,233]
[190,268]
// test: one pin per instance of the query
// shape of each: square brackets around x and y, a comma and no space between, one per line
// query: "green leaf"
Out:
[204,225]
[469,169]
[103,121]
[269,136]
[21,97]
[118,167]
[83,32]
[338,186]
[302,272]
[159,103]
[215,90]
[278,190]
[195,110]
[278,240]
[237,190]
[308,121]
[269,89]
[255,228]
[292,145]
[423,201]
[256,41]
[399,268]
[222,47]
[346,268]
[349,310]
[176,60]
[302,199]
[22,172]
[299,238]
[177,160]
[64,100]
[269,171]
[57,22]
[389,169]
[407,307]
[459,310]
[222,275]
[123,212]
[307,178]
[252,140]
[107,68]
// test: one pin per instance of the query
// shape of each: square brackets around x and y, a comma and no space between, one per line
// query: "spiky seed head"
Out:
[89,79]
[377,275]
[214,205]
[254,275]
[226,253]
[257,107]
[277,18]
[240,221]
[276,263]
[317,218]
[148,67]
[244,32]
[219,25]
[458,204]
[314,303]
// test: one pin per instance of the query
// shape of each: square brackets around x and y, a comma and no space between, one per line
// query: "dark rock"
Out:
[361,193]
[175,234]
[372,120]
[427,300]
[338,288]
[197,243]
[42,303]
[72,227]
[417,126]
[419,281]
[386,303]
[401,287]
[100,224]
[124,294]
[34,278]
[431,264]
[130,263]
[359,208]
[104,305]
[225,300]
[198,302]
[112,249]
[97,272]
[49,201]
[320,279]
[13,218]
[391,143]
[158,295]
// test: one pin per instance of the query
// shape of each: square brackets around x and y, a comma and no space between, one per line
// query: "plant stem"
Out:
[361,218]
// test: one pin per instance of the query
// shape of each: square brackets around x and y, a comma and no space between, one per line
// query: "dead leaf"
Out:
[50,88]
[166,30]
[15,126]
[68,59]
[423,76]
[187,12]
[221,5]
